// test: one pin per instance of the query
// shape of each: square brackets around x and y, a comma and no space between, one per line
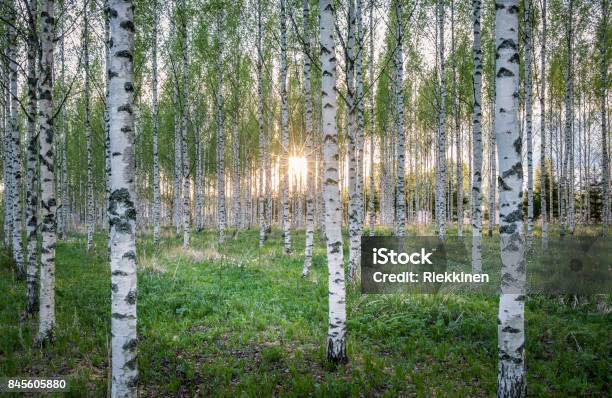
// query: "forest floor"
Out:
[239,321]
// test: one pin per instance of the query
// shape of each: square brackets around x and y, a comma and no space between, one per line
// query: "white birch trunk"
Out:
[284,170]
[604,62]
[360,122]
[199,203]
[400,201]
[310,147]
[543,128]
[476,141]
[510,322]
[569,133]
[492,173]
[178,160]
[89,216]
[268,157]
[528,120]
[236,194]
[15,150]
[7,160]
[63,226]
[220,141]
[458,143]
[336,335]
[184,130]
[107,153]
[263,208]
[122,210]
[48,202]
[155,109]
[32,165]
[353,227]
[371,209]
[441,155]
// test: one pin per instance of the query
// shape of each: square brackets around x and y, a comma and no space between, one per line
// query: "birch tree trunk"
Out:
[15,149]
[543,128]
[492,142]
[64,145]
[122,210]
[604,62]
[7,159]
[32,164]
[155,108]
[400,202]
[569,126]
[360,122]
[310,147]
[492,173]
[284,171]
[199,202]
[220,140]
[476,142]
[528,120]
[184,129]
[510,323]
[354,238]
[263,235]
[458,143]
[372,124]
[107,152]
[269,137]
[178,160]
[236,202]
[336,334]
[89,216]
[441,155]
[48,202]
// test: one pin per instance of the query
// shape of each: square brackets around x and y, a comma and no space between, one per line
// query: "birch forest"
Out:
[186,186]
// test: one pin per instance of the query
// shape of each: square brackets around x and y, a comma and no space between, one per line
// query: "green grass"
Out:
[239,321]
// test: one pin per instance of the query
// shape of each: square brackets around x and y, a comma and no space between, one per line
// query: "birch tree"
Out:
[336,334]
[48,202]
[63,210]
[262,138]
[178,151]
[492,141]
[107,153]
[511,378]
[284,170]
[400,202]
[15,147]
[603,71]
[349,60]
[155,109]
[371,209]
[543,126]
[122,209]
[476,141]
[458,143]
[360,122]
[7,160]
[310,147]
[185,126]
[528,120]
[32,162]
[90,216]
[220,137]
[441,144]
[568,162]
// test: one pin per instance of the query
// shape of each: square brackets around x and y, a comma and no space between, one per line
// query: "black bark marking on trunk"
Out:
[131,345]
[131,297]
